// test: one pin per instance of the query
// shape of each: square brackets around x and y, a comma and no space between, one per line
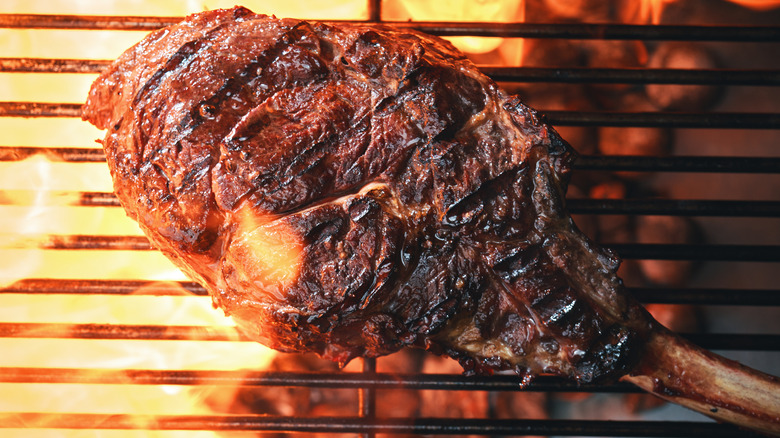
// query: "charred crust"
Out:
[467,227]
[611,356]
[562,155]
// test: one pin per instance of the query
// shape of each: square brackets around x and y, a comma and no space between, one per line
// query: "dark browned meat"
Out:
[352,190]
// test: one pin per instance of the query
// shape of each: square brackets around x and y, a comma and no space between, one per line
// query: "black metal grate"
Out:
[366,421]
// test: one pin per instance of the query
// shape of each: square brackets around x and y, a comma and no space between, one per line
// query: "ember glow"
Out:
[467,10]
[651,11]
[758,5]
[39,202]
[505,50]
[269,253]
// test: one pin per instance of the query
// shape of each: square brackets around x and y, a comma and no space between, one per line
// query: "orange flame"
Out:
[652,10]
[758,5]
[266,253]
[509,50]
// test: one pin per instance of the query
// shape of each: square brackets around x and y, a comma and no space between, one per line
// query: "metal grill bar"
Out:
[679,164]
[632,76]
[49,65]
[507,30]
[80,199]
[721,341]
[427,426]
[81,241]
[562,118]
[583,162]
[66,154]
[39,109]
[754,253]
[710,296]
[747,297]
[675,207]
[597,31]
[681,207]
[744,297]
[374,10]
[504,74]
[104,287]
[50,21]
[446,382]
[98,199]
[118,331]
[367,395]
[660,119]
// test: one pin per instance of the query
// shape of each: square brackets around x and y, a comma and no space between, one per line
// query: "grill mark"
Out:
[239,81]
[181,58]
[230,87]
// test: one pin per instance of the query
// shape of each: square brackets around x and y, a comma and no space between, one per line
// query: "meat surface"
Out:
[355,189]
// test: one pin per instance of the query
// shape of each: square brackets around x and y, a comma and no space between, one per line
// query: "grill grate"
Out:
[556,118]
[366,420]
[492,29]
[368,426]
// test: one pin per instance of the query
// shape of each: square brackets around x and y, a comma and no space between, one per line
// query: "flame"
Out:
[266,252]
[503,11]
[758,5]
[650,11]
[38,198]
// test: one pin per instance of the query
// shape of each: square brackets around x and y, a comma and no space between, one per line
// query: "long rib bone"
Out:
[681,372]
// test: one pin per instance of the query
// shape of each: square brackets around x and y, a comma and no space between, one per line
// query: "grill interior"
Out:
[724,173]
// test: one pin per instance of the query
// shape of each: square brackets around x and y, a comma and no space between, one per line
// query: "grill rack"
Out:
[366,422]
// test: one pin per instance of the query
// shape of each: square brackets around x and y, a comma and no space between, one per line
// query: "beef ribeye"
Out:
[352,190]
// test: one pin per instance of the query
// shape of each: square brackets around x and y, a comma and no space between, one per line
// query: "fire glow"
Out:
[651,11]
[504,51]
[268,253]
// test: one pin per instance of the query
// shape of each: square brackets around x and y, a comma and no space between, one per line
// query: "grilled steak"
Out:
[352,190]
